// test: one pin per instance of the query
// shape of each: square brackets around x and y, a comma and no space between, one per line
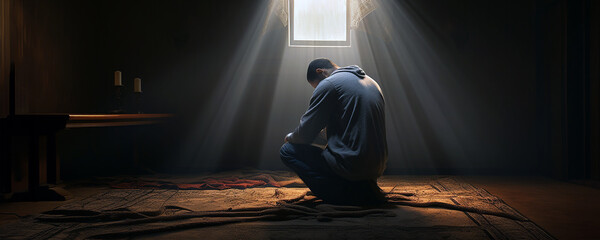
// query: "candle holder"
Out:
[118,100]
[138,102]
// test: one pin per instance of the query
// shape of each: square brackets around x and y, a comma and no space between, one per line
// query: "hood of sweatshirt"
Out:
[351,69]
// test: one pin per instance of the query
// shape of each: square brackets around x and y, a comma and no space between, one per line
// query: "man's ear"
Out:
[322,72]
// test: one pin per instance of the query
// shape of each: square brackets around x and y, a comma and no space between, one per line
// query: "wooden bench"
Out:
[31,140]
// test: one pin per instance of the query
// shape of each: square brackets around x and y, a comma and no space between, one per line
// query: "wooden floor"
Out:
[565,210]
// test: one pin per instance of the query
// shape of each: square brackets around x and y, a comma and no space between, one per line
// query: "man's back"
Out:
[357,147]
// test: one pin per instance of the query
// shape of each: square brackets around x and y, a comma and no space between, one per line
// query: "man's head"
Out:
[318,70]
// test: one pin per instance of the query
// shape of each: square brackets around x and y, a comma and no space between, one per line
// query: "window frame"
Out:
[316,43]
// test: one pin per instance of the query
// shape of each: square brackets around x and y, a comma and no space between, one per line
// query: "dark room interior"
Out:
[156,119]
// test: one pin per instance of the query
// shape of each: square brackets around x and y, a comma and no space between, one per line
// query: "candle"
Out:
[137,85]
[118,81]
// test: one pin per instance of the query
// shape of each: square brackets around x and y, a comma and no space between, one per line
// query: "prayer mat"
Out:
[430,207]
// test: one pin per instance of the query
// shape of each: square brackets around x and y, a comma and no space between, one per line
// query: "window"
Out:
[319,23]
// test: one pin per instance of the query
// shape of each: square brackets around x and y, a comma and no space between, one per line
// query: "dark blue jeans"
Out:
[308,162]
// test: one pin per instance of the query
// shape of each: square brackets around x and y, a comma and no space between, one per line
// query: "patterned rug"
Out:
[430,207]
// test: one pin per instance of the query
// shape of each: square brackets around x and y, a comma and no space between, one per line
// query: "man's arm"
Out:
[322,105]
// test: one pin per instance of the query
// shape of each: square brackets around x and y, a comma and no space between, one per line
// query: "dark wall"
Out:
[567,88]
[594,53]
[472,95]
[513,55]
[66,51]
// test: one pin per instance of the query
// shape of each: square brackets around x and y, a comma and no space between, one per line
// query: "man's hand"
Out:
[287,137]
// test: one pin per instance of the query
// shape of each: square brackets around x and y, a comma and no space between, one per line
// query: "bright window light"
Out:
[319,23]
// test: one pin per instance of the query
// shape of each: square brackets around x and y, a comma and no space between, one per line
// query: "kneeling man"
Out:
[348,106]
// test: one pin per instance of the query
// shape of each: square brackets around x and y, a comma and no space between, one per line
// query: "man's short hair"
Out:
[323,63]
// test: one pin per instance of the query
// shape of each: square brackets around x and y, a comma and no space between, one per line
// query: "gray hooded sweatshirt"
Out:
[351,106]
